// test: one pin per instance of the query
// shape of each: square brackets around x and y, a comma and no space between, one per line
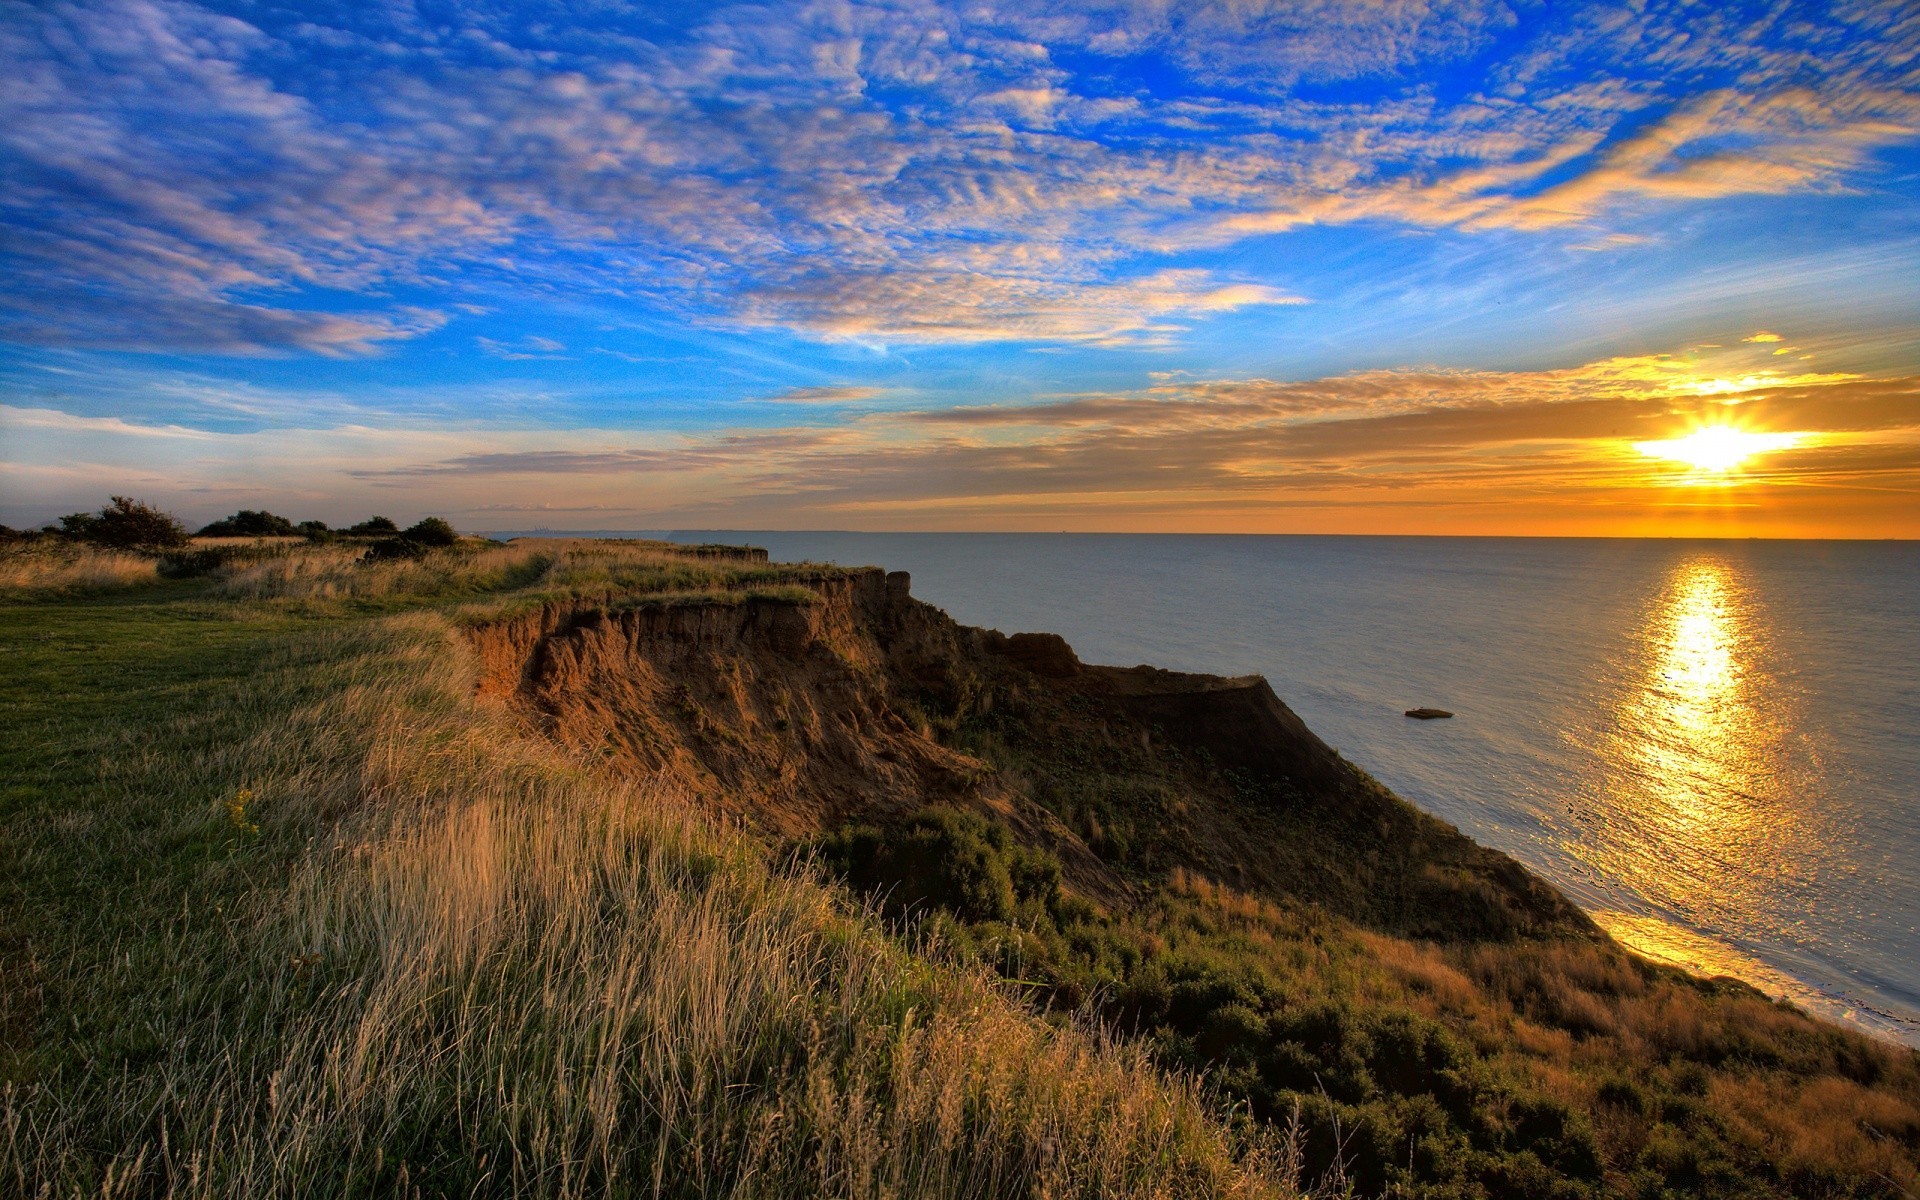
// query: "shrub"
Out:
[126,524]
[315,531]
[249,523]
[944,859]
[432,531]
[78,526]
[188,564]
[374,527]
[394,549]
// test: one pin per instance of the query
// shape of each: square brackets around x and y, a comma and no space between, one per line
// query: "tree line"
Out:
[128,524]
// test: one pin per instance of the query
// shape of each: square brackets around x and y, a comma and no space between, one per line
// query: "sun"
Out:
[1717,449]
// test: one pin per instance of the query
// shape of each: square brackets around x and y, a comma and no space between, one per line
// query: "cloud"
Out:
[1611,241]
[544,462]
[832,394]
[974,308]
[21,419]
[1483,446]
[521,349]
[901,171]
[78,320]
[683,455]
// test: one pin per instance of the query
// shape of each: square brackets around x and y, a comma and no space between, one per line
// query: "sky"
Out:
[1300,266]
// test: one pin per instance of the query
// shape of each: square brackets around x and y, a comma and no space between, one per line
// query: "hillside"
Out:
[501,871]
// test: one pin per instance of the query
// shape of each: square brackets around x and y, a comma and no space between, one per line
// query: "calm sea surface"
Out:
[1713,746]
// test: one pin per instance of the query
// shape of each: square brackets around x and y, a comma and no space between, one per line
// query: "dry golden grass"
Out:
[65,571]
[1681,1080]
[532,567]
[494,972]
[315,573]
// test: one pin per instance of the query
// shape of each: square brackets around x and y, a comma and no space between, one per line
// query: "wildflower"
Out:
[237,812]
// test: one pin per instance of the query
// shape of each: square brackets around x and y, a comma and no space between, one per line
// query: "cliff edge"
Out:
[852,701]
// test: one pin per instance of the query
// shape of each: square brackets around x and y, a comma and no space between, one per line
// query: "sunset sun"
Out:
[1717,449]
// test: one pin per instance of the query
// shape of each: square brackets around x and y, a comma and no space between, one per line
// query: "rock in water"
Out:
[1428,714]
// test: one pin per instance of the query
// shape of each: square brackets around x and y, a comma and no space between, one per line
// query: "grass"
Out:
[1530,1066]
[1357,972]
[286,910]
[290,912]
[533,572]
[65,571]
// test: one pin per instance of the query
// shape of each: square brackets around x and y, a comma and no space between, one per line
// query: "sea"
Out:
[1712,746]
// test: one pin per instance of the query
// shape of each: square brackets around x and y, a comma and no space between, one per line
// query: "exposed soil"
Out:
[867,705]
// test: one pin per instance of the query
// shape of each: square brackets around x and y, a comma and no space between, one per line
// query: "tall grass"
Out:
[453,963]
[536,567]
[67,571]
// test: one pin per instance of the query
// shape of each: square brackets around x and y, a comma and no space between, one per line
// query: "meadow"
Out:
[290,912]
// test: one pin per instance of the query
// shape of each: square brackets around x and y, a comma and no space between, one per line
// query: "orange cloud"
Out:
[1381,451]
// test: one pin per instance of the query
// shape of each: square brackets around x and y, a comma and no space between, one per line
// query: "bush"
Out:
[315,531]
[126,524]
[249,523]
[394,549]
[188,564]
[943,859]
[432,531]
[374,527]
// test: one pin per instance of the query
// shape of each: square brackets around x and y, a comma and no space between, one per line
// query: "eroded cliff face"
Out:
[865,704]
[777,712]
[790,717]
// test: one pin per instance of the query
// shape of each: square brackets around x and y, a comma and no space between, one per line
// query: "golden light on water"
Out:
[1675,945]
[1698,813]
[1694,749]
[1697,654]
[1717,449]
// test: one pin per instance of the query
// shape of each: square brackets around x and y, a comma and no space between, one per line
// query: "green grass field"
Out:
[288,912]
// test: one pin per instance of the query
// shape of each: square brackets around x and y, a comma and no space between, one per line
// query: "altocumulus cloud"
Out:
[185,179]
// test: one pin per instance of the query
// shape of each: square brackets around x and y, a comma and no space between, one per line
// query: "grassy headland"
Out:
[508,870]
[290,912]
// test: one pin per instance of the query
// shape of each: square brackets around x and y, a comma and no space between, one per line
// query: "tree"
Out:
[249,523]
[432,531]
[126,524]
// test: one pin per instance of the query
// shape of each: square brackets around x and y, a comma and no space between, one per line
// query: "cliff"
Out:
[855,702]
[367,838]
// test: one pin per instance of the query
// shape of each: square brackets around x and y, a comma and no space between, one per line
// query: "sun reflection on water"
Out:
[1696,813]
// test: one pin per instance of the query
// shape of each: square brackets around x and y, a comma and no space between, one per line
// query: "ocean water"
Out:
[1713,747]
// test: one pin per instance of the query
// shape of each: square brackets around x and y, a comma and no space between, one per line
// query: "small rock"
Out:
[1428,714]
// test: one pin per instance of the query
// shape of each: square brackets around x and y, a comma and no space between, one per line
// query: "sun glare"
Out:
[1717,449]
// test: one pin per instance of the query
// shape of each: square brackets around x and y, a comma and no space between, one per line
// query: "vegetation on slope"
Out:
[304,914]
[290,912]
[1537,1067]
[1444,1043]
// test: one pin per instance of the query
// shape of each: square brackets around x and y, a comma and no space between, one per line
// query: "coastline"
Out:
[1175,858]
[1535,763]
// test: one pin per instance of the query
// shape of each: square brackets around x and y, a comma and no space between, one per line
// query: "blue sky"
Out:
[1026,265]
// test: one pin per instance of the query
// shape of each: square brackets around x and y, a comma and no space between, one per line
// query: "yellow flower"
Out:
[237,812]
